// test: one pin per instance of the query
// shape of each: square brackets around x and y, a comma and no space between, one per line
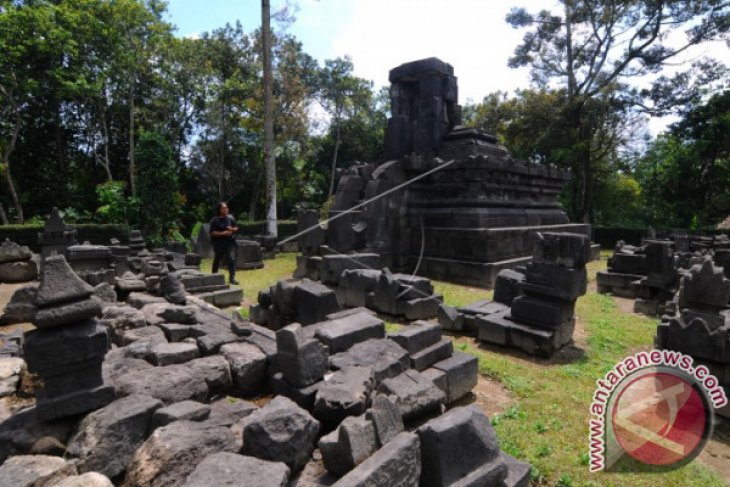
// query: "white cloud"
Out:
[472,35]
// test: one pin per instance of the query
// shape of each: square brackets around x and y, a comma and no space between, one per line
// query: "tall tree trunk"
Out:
[334,158]
[132,169]
[13,194]
[6,163]
[107,164]
[269,158]
[255,197]
[3,215]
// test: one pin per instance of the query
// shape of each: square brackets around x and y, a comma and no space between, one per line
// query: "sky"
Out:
[379,35]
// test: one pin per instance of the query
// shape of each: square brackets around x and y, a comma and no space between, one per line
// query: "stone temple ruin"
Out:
[141,380]
[468,210]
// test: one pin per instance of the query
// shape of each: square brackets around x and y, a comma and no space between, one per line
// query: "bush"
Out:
[98,234]
[286,228]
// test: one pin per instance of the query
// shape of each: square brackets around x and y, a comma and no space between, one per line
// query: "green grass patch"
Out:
[253,281]
[456,296]
[548,426]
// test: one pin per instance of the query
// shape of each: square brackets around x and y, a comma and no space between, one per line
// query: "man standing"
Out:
[223,231]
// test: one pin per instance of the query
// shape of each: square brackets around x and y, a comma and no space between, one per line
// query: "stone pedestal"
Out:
[56,236]
[541,320]
[660,283]
[68,347]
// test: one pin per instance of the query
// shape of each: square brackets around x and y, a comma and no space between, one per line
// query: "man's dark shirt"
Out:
[219,224]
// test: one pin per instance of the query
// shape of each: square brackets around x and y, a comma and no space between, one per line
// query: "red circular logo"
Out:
[660,419]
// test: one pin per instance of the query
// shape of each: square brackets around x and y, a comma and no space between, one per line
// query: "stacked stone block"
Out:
[68,347]
[626,267]
[17,263]
[56,236]
[541,320]
[294,300]
[700,328]
[660,283]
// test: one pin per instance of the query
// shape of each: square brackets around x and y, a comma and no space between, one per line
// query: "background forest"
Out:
[109,116]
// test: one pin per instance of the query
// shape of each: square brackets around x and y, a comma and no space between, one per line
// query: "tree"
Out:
[595,50]
[338,95]
[158,203]
[30,39]
[690,163]
[269,156]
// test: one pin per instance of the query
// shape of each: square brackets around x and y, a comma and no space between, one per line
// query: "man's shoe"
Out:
[234,282]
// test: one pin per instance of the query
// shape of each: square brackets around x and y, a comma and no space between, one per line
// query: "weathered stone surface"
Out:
[59,283]
[215,371]
[263,338]
[22,271]
[23,429]
[248,366]
[281,431]
[422,308]
[507,286]
[450,319]
[314,302]
[173,313]
[396,463]
[414,394]
[170,384]
[345,393]
[140,300]
[417,336]
[341,334]
[89,479]
[303,396]
[149,334]
[518,473]
[349,445]
[384,357]
[73,403]
[232,469]
[172,288]
[174,451]
[21,307]
[173,353]
[430,355]
[25,470]
[462,374]
[229,411]
[48,445]
[67,313]
[11,367]
[107,438]
[705,286]
[460,448]
[302,361]
[181,411]
[12,252]
[51,352]
[121,318]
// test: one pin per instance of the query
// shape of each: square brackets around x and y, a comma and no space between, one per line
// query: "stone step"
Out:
[417,336]
[432,354]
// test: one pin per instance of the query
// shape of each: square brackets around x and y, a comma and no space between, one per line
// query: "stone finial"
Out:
[60,284]
[705,286]
[565,249]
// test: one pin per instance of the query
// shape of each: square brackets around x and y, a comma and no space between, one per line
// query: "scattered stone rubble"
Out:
[699,327]
[17,263]
[68,347]
[462,223]
[159,409]
[56,236]
[533,310]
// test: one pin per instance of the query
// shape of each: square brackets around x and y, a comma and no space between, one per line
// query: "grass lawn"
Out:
[548,423]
